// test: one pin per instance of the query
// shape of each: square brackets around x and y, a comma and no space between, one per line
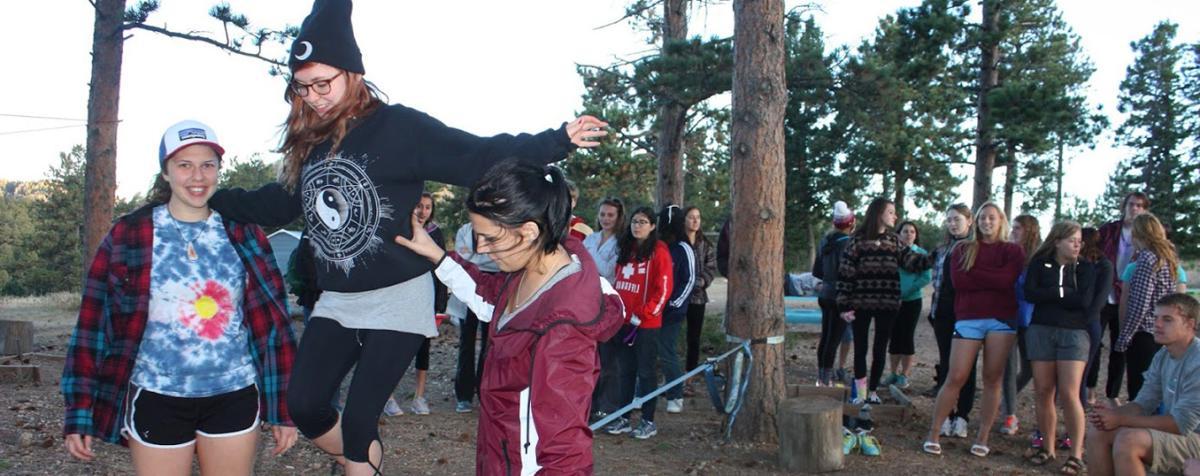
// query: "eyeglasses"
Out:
[321,87]
[641,222]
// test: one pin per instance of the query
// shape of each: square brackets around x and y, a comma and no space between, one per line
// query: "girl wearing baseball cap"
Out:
[183,344]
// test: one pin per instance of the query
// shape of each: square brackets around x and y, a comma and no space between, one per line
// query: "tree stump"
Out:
[20,374]
[16,337]
[810,434]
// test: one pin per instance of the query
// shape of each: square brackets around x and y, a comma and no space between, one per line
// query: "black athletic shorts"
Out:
[163,421]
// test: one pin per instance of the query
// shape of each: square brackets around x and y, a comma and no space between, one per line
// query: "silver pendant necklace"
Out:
[191,248]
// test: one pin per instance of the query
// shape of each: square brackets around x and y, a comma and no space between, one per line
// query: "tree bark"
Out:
[1058,184]
[672,117]
[1010,185]
[755,305]
[100,178]
[900,189]
[985,145]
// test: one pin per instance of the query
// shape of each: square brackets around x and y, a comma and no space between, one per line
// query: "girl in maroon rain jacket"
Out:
[549,310]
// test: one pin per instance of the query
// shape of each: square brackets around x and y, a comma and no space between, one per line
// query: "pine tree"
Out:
[1157,129]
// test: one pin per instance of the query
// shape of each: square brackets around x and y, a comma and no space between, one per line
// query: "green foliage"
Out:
[1158,127]
[902,102]
[250,173]
[16,233]
[1041,100]
[812,141]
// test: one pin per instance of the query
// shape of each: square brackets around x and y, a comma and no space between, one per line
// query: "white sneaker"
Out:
[947,426]
[675,406]
[391,408]
[960,427]
[420,406]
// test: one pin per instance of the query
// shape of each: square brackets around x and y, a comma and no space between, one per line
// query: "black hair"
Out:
[628,245]
[670,224]
[916,239]
[869,228]
[513,193]
[432,207]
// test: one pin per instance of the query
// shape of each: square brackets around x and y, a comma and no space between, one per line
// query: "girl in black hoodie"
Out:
[1061,288]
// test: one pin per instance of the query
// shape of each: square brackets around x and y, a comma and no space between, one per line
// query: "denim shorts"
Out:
[978,329]
[1049,343]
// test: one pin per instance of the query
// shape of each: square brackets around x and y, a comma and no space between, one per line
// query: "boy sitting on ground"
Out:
[1136,437]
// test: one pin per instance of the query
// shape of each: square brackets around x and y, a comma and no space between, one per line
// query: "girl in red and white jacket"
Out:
[644,281]
[548,307]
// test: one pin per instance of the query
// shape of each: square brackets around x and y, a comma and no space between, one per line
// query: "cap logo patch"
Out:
[307,50]
[192,133]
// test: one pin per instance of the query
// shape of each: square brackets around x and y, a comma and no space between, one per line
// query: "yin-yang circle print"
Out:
[343,211]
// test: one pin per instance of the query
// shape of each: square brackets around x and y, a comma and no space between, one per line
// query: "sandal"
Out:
[1041,457]
[932,448]
[980,450]
[1072,467]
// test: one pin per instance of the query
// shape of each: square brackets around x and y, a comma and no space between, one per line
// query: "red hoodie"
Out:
[645,286]
[989,289]
[542,366]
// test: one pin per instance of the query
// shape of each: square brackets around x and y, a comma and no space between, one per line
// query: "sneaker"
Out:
[873,399]
[1010,426]
[462,406]
[391,408]
[1035,440]
[889,380]
[849,441]
[947,426]
[675,406]
[868,444]
[960,428]
[901,382]
[618,426]
[420,406]
[1064,443]
[645,430]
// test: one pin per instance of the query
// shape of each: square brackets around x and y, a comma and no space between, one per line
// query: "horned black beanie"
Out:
[327,37]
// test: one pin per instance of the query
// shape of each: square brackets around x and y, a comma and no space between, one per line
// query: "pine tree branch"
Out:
[203,39]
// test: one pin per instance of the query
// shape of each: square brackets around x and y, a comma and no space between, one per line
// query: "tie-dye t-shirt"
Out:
[195,344]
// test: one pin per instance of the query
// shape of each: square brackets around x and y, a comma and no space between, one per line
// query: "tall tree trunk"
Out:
[900,189]
[1010,185]
[1058,184]
[985,145]
[100,179]
[755,305]
[671,116]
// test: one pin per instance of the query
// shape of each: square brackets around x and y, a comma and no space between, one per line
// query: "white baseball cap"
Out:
[185,133]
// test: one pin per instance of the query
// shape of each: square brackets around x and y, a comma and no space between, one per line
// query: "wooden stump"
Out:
[20,374]
[810,434]
[797,390]
[16,337]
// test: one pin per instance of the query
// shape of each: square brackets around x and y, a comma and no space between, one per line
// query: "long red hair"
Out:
[304,129]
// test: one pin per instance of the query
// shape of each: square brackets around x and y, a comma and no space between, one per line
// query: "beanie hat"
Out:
[842,216]
[183,134]
[327,37]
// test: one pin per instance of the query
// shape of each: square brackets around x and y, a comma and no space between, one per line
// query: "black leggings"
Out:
[608,393]
[943,331]
[423,355]
[470,369]
[904,333]
[1116,360]
[695,324]
[1137,359]
[833,327]
[884,320]
[327,352]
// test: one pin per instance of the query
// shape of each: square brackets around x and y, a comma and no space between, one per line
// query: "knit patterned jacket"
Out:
[869,274]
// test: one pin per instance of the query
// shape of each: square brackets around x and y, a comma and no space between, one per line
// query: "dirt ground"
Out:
[444,442]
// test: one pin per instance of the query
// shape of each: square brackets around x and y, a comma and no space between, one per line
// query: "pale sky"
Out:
[482,66]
